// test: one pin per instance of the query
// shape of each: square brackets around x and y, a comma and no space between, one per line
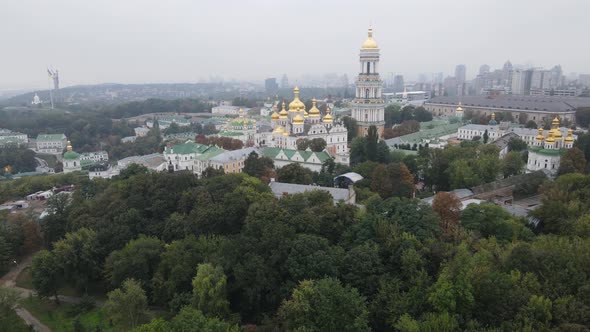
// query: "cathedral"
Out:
[368,108]
[295,123]
[547,150]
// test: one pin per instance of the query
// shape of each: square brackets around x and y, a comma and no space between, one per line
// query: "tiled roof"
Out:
[51,137]
[274,152]
[187,147]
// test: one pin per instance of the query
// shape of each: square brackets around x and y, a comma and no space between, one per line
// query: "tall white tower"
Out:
[368,109]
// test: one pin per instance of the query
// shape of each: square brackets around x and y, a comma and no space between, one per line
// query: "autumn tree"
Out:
[448,207]
[393,179]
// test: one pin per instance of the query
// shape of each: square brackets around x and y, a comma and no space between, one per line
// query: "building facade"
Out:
[368,108]
[548,149]
[51,143]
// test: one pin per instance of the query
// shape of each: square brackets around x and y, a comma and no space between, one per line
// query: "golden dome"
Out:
[285,133]
[305,114]
[328,117]
[298,119]
[569,138]
[540,136]
[557,133]
[550,138]
[459,108]
[283,114]
[370,42]
[314,112]
[274,116]
[278,130]
[69,146]
[296,105]
[555,121]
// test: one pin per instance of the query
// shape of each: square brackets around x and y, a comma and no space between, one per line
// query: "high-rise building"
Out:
[284,82]
[506,79]
[398,83]
[270,85]
[450,86]
[460,74]
[521,81]
[484,69]
[368,109]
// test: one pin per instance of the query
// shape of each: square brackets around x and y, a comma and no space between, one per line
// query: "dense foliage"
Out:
[17,161]
[222,251]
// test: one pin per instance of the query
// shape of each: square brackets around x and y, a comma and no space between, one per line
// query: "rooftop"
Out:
[517,102]
[281,189]
[51,137]
[274,152]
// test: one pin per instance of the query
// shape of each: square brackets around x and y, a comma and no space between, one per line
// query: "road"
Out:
[9,280]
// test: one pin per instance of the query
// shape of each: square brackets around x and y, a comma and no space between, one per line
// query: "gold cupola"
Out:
[278,130]
[328,117]
[69,146]
[370,43]
[314,112]
[550,138]
[540,137]
[283,113]
[459,108]
[298,119]
[569,138]
[296,105]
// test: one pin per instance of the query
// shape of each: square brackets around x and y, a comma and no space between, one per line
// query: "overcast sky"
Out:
[143,41]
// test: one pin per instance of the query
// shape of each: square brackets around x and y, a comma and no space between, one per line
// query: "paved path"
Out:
[9,280]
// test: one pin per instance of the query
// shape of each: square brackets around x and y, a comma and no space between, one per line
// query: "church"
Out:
[296,123]
[547,150]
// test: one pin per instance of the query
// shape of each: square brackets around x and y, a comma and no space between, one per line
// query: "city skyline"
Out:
[183,42]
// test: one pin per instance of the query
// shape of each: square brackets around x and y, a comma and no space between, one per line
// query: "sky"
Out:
[185,41]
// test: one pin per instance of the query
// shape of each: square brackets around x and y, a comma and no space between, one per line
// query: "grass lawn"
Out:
[61,318]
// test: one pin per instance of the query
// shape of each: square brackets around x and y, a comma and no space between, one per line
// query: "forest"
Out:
[223,254]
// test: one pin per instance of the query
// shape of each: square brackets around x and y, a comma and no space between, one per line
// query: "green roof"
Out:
[229,133]
[548,152]
[70,155]
[440,128]
[187,147]
[51,137]
[211,152]
[274,152]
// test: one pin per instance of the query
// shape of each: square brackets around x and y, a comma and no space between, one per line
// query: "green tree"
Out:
[46,274]
[127,305]
[351,126]
[462,175]
[531,124]
[392,180]
[324,305]
[294,173]
[572,161]
[209,291]
[138,260]
[512,164]
[371,144]
[78,256]
[188,320]
[517,144]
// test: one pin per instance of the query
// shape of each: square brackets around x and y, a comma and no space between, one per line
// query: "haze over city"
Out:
[188,41]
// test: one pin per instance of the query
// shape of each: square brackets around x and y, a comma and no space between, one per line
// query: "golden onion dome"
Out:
[274,116]
[370,42]
[314,112]
[296,105]
[555,121]
[569,138]
[328,118]
[540,136]
[285,133]
[550,138]
[278,130]
[69,146]
[459,108]
[298,119]
[305,114]
[283,113]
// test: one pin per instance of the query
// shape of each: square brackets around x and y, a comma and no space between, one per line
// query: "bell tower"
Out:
[369,109]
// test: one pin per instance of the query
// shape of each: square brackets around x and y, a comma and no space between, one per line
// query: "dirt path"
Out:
[9,280]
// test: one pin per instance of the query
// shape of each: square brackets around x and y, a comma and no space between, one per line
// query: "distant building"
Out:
[398,83]
[73,161]
[228,161]
[141,131]
[521,81]
[270,85]
[308,159]
[460,74]
[36,100]
[227,110]
[9,139]
[165,122]
[484,69]
[284,82]
[154,162]
[280,190]
[51,143]
[546,153]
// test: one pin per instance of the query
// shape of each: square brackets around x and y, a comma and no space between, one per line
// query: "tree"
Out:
[512,164]
[294,173]
[127,305]
[462,175]
[324,305]
[517,144]
[488,219]
[209,291]
[46,274]
[260,167]
[351,126]
[572,161]
[448,207]
[371,143]
[188,320]
[211,172]
[531,124]
[78,256]
[486,137]
[394,179]
[392,115]
[138,260]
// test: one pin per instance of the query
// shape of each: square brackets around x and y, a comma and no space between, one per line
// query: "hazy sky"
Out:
[142,41]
